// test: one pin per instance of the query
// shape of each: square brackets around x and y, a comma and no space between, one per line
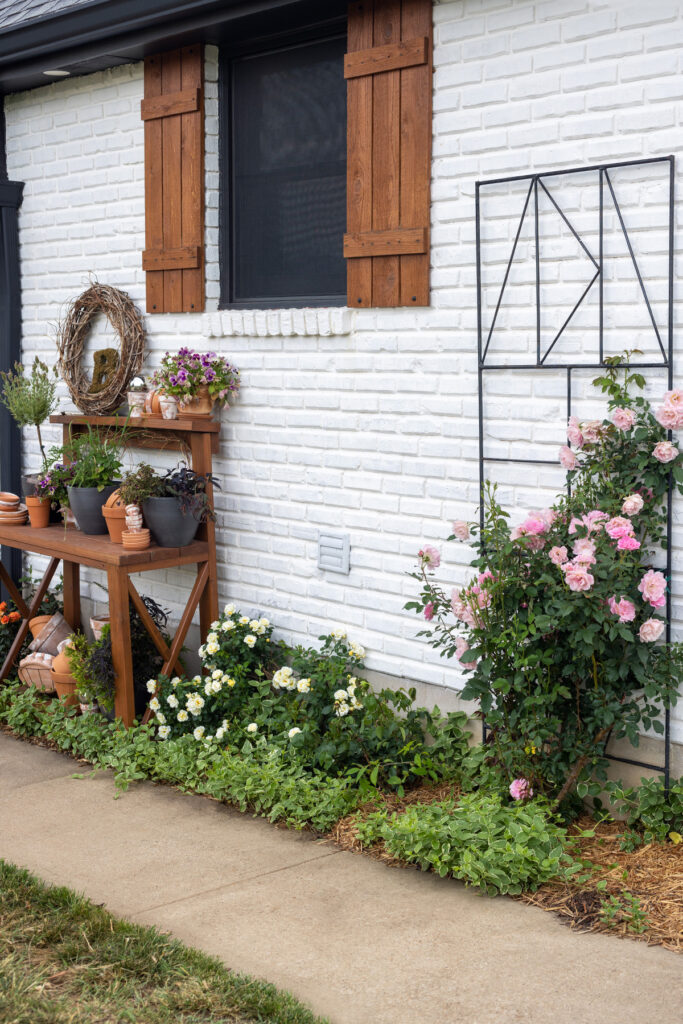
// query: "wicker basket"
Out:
[35,670]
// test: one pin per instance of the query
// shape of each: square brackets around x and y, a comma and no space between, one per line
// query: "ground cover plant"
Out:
[64,959]
[558,631]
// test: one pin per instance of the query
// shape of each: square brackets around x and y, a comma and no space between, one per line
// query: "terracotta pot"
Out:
[114,501]
[38,512]
[52,634]
[135,541]
[97,624]
[61,663]
[200,405]
[8,498]
[65,685]
[169,408]
[35,625]
[115,518]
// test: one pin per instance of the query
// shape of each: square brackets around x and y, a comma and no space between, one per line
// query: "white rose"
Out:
[164,732]
[212,638]
[212,648]
[264,622]
[229,682]
[220,733]
[182,715]
[216,686]
[207,689]
[216,674]
[214,625]
[340,694]
[151,686]
[175,681]
[342,709]
[338,634]
[161,718]
[253,624]
[198,733]
[154,704]
[229,609]
[244,620]
[172,700]
[293,732]
[228,625]
[304,685]
[202,652]
[250,640]
[252,727]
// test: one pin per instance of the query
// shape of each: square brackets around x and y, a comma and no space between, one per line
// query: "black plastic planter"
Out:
[86,504]
[169,525]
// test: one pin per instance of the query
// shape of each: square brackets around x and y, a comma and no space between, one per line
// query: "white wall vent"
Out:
[333,552]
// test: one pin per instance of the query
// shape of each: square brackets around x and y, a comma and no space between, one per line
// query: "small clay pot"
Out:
[169,407]
[61,663]
[9,499]
[35,625]
[38,512]
[135,541]
[97,624]
[65,685]
[115,518]
[200,404]
[51,635]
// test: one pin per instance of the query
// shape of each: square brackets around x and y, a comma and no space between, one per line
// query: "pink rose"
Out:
[557,555]
[584,550]
[461,530]
[665,451]
[674,398]
[625,609]
[461,609]
[623,419]
[668,416]
[619,527]
[429,611]
[592,431]
[653,588]
[651,630]
[577,577]
[574,435]
[461,647]
[549,515]
[632,505]
[628,544]
[430,557]
[567,458]
[594,520]
[520,789]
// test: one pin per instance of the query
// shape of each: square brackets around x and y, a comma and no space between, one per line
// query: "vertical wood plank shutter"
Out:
[173,114]
[388,69]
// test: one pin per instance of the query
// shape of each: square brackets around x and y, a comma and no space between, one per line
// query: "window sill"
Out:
[279,323]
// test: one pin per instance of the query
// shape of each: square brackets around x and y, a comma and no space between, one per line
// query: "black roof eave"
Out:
[127,28]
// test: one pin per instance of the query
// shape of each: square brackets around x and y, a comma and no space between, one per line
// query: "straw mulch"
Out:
[653,874]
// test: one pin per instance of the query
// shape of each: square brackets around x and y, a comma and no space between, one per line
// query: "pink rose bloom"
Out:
[623,419]
[653,588]
[549,515]
[484,576]
[461,530]
[461,647]
[534,524]
[567,458]
[632,505]
[574,435]
[431,558]
[665,451]
[461,609]
[594,520]
[651,630]
[592,431]
[483,598]
[668,416]
[584,550]
[625,609]
[577,577]
[628,544]
[520,789]
[429,611]
[674,398]
[557,555]
[619,527]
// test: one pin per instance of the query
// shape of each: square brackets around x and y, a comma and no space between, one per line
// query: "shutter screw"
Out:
[414,298]
[154,307]
[360,299]
[192,305]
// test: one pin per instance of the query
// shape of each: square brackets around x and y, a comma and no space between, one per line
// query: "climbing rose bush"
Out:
[559,632]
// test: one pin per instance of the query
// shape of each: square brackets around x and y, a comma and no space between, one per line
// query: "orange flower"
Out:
[4,620]
[14,616]
[3,605]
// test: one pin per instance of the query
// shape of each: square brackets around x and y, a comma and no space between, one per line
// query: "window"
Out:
[283,176]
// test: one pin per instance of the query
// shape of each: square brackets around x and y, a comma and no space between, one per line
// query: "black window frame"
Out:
[334,30]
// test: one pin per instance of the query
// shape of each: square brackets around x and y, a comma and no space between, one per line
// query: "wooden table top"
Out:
[97,550]
[186,424]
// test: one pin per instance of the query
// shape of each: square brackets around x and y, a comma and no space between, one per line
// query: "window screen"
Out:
[288,175]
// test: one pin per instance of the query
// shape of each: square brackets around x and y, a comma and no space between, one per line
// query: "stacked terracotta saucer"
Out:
[11,509]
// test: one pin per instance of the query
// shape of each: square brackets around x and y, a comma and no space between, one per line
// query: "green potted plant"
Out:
[96,461]
[173,505]
[93,669]
[30,398]
[196,380]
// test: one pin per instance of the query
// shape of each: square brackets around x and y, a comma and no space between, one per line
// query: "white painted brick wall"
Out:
[374,431]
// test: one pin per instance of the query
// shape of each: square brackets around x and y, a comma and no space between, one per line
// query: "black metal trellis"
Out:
[538,181]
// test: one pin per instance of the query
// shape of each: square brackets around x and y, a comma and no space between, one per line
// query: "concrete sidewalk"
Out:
[357,941]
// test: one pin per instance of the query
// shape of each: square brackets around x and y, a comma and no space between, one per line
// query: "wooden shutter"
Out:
[388,69]
[173,112]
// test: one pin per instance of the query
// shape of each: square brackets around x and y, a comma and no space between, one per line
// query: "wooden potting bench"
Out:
[198,440]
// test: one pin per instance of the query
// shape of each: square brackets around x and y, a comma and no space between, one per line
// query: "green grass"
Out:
[64,960]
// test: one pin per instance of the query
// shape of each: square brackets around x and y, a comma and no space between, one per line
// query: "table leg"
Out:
[23,628]
[120,645]
[72,594]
